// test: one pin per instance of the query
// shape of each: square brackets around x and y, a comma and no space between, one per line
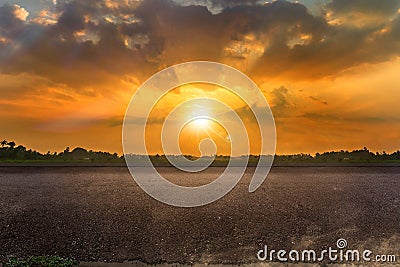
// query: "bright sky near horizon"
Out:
[329,69]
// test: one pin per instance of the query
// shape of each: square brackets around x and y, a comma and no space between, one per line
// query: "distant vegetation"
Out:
[355,156]
[10,152]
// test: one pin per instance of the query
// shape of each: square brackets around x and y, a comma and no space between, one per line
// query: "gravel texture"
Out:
[100,214]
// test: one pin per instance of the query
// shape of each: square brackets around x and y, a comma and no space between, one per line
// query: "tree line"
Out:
[9,151]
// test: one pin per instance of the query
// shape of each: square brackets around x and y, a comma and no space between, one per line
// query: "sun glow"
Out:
[201,123]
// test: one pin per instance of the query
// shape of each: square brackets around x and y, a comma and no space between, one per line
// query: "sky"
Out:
[328,69]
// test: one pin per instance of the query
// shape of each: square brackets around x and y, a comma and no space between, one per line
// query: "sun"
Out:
[201,123]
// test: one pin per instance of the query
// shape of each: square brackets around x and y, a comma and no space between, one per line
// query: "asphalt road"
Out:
[100,214]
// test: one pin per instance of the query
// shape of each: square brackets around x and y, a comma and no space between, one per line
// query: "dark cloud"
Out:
[10,23]
[72,19]
[281,104]
[331,49]
[100,41]
[395,29]
[366,7]
[55,51]
[279,97]
[180,33]
[216,6]
[316,99]
[230,3]
[8,19]
[226,4]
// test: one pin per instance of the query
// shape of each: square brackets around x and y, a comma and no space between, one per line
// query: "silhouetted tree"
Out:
[11,144]
[3,143]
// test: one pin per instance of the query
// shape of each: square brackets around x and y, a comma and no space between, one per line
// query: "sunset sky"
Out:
[330,70]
